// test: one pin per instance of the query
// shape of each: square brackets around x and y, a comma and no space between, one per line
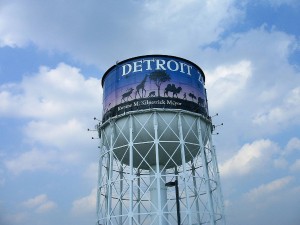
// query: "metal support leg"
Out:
[206,175]
[186,185]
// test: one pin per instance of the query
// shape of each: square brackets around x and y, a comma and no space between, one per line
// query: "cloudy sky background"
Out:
[54,53]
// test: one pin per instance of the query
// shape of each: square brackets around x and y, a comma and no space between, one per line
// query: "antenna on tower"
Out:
[214,126]
[215,115]
[96,128]
[90,129]
[97,119]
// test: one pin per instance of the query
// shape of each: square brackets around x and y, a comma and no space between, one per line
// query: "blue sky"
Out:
[54,53]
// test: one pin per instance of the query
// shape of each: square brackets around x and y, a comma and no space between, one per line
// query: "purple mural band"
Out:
[153,81]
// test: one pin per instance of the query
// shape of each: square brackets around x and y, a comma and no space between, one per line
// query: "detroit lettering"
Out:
[156,64]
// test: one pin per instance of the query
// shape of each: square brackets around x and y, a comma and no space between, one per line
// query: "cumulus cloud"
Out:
[45,207]
[269,188]
[61,145]
[284,113]
[2,179]
[263,202]
[31,161]
[51,26]
[288,158]
[251,83]
[85,205]
[40,204]
[56,134]
[15,218]
[91,173]
[295,167]
[36,201]
[281,163]
[58,105]
[293,145]
[226,82]
[51,94]
[194,20]
[251,157]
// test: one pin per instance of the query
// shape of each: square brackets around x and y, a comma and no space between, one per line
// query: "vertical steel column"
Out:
[196,192]
[215,162]
[99,175]
[121,195]
[160,190]
[139,195]
[131,176]
[206,174]
[107,184]
[156,167]
[110,172]
[213,154]
[220,190]
[153,195]
[158,194]
[177,198]
[186,185]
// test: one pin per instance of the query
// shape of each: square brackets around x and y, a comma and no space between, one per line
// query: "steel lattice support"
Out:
[154,163]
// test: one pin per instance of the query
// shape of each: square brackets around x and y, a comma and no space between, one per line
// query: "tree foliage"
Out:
[159,77]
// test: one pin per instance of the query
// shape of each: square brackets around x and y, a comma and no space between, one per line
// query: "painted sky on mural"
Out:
[53,54]
[133,80]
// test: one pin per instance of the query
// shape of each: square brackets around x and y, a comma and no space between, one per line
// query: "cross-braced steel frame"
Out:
[141,153]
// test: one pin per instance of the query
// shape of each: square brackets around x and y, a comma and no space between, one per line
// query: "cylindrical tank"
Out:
[141,85]
[157,162]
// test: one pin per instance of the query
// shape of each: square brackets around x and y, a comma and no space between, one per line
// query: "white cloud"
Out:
[251,157]
[37,200]
[275,202]
[31,161]
[288,156]
[91,173]
[59,105]
[295,167]
[46,207]
[292,145]
[285,113]
[52,93]
[262,46]
[57,134]
[265,85]
[254,64]
[281,163]
[85,205]
[226,82]
[62,145]
[40,204]
[15,218]
[194,20]
[268,189]
[2,179]
[142,27]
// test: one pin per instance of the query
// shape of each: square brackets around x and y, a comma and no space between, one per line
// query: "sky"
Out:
[52,57]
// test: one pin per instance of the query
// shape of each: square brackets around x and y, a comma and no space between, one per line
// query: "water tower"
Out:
[157,163]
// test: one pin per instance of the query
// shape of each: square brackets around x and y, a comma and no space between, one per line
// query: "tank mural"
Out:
[153,81]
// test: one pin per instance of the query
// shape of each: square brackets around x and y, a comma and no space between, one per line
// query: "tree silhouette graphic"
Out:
[159,77]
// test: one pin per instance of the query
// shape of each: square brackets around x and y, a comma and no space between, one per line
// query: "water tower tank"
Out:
[142,85]
[156,131]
